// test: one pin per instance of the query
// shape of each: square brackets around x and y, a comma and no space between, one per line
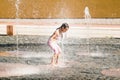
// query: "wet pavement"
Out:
[98,59]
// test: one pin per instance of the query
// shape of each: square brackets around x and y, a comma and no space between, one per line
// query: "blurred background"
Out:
[30,9]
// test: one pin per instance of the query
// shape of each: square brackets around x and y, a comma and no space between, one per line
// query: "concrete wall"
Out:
[59,8]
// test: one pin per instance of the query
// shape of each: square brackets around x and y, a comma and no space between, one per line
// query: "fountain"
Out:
[95,53]
[87,20]
[20,69]
[87,13]
[17,3]
[33,55]
[62,58]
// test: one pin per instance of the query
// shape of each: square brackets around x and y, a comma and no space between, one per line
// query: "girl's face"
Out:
[64,29]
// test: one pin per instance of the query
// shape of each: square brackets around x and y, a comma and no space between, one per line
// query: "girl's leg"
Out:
[54,59]
[57,51]
[57,59]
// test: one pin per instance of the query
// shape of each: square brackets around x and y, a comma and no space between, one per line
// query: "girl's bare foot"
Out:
[53,65]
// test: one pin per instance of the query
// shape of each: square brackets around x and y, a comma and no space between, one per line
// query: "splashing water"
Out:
[87,16]
[87,20]
[17,3]
[17,43]
[62,45]
[62,58]
[87,13]
[17,8]
[63,13]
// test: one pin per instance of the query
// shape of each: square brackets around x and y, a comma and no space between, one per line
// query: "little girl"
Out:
[52,42]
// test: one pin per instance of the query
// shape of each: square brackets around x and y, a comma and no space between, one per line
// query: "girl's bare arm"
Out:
[55,35]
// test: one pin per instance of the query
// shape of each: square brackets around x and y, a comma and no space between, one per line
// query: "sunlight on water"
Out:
[46,56]
[17,69]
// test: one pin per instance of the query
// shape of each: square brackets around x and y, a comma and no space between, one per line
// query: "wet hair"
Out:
[64,25]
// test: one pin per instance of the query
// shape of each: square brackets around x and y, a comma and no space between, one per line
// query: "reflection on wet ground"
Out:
[98,60]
